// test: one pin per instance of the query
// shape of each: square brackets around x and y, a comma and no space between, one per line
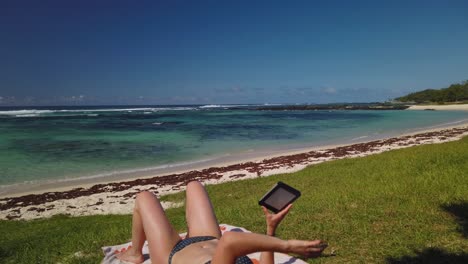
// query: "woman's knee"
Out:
[144,196]
[228,240]
[194,185]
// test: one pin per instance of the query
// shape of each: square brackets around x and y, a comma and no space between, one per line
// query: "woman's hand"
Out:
[273,220]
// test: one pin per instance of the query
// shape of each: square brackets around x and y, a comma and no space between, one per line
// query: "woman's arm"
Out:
[272,220]
[236,244]
[268,257]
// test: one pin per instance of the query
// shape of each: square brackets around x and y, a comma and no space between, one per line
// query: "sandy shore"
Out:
[453,107]
[117,197]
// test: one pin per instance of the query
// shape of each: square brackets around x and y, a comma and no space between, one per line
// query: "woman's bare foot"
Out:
[308,249]
[131,256]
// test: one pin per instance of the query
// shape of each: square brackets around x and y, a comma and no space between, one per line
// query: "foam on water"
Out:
[224,106]
[25,112]
[211,106]
[36,112]
[27,115]
[358,138]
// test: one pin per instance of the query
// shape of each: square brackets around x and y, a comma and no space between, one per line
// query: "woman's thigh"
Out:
[201,219]
[160,234]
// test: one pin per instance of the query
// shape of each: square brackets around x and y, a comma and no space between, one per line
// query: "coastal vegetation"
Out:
[401,206]
[455,93]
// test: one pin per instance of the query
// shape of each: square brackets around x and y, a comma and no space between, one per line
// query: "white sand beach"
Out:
[452,107]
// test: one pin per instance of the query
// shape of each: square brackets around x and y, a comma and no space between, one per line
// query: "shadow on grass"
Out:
[3,254]
[460,213]
[431,256]
[435,255]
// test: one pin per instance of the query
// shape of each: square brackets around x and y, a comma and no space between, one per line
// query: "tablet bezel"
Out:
[279,185]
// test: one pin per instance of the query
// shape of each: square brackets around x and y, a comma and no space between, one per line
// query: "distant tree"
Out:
[454,93]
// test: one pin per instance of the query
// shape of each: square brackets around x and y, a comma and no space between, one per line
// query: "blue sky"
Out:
[218,52]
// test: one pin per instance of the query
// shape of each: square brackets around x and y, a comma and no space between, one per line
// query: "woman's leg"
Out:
[201,219]
[150,223]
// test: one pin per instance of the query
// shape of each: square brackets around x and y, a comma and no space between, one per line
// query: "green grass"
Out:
[408,205]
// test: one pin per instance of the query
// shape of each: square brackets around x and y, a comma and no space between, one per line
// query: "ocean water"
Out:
[47,144]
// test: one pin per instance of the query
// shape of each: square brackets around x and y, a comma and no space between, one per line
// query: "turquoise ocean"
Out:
[60,143]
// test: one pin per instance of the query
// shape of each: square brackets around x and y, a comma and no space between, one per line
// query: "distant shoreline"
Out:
[117,197]
[371,106]
[451,107]
[344,106]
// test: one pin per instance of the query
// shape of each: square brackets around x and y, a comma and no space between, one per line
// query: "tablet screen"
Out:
[280,198]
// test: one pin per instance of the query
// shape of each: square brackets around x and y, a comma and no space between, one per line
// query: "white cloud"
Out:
[237,89]
[234,90]
[329,90]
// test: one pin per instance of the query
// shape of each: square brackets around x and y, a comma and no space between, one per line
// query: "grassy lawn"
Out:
[404,206]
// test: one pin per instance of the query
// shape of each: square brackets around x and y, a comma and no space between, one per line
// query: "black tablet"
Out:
[280,196]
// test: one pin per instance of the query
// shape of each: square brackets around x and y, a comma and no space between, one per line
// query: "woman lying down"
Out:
[204,243]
